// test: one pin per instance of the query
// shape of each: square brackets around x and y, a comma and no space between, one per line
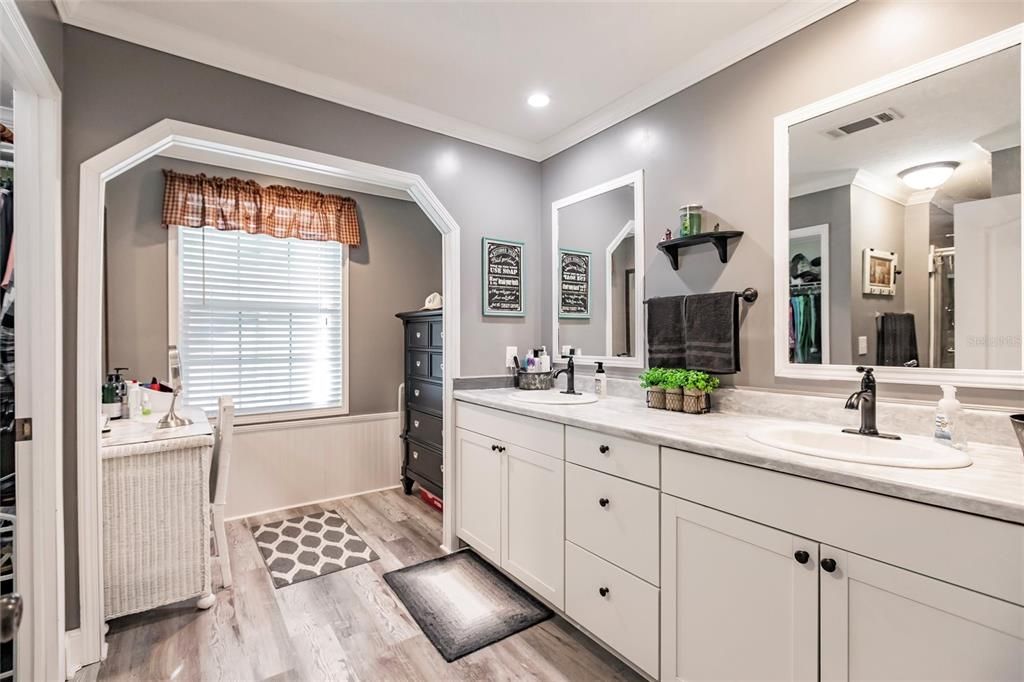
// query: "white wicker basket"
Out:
[156,523]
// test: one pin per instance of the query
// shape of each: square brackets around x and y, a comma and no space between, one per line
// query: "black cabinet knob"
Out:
[828,565]
[801,556]
[603,591]
[604,449]
[501,448]
[494,448]
[603,502]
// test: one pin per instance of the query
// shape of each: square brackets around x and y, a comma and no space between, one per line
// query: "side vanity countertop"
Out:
[992,486]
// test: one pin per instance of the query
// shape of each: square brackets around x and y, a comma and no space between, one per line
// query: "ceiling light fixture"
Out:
[928,175]
[538,100]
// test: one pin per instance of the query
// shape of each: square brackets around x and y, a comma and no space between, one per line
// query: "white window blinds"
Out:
[261,321]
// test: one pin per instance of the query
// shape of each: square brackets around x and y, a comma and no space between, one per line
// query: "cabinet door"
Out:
[532,528]
[478,492]
[883,622]
[739,601]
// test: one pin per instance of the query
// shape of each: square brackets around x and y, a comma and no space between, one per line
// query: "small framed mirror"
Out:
[597,254]
[898,240]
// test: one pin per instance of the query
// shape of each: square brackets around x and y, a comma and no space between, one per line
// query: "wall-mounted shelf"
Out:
[670,247]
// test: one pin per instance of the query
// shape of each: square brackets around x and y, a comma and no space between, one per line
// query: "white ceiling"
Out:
[461,68]
[945,117]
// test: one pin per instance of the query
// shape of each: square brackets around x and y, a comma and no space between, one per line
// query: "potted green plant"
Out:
[653,380]
[697,389]
[675,382]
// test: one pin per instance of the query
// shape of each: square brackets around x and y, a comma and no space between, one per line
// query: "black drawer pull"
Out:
[801,556]
[828,565]
[603,501]
[604,449]
[603,591]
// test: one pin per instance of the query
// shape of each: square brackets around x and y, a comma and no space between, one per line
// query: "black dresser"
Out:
[422,461]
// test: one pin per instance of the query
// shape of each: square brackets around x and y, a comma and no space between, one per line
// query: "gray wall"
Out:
[831,207]
[48,32]
[397,265]
[488,192]
[590,225]
[712,143]
[1006,171]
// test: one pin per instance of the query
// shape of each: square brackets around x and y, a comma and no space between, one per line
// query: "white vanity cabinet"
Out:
[511,500]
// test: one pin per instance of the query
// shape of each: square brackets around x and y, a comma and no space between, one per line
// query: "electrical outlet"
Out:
[510,353]
[862,345]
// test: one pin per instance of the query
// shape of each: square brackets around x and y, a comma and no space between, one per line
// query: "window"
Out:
[262,320]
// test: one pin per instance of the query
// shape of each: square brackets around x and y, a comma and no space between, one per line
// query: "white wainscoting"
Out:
[281,465]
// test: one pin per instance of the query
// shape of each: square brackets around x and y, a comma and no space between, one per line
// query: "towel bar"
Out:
[749,295]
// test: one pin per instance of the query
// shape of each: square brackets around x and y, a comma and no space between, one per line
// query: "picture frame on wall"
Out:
[503,288]
[574,283]
[879,274]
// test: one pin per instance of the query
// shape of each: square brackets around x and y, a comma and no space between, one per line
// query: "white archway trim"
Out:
[231,150]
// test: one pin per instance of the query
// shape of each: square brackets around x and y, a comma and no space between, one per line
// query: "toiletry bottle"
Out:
[948,412]
[600,381]
[147,409]
[111,398]
[134,400]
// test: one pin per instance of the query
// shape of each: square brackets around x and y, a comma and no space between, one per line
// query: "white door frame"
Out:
[821,232]
[231,150]
[39,534]
[628,230]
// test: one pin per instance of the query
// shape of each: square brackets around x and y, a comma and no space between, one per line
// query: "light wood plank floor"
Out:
[345,626]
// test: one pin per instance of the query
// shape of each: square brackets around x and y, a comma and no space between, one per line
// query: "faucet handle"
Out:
[865,370]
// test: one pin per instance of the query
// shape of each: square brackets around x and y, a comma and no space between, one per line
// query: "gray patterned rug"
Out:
[462,603]
[310,546]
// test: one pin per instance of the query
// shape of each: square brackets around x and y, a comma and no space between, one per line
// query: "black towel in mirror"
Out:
[896,340]
[711,324]
[665,345]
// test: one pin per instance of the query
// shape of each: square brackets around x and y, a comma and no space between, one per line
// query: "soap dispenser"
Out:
[948,416]
[600,381]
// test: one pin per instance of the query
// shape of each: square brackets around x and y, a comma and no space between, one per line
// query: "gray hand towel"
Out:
[711,324]
[665,345]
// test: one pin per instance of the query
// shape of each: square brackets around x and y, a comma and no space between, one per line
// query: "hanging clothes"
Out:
[805,328]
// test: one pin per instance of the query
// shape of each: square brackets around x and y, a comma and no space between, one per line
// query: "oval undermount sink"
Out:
[553,397]
[914,452]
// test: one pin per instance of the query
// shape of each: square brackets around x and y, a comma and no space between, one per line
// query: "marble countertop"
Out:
[992,486]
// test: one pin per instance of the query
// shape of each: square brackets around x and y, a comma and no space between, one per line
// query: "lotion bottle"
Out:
[600,381]
[948,414]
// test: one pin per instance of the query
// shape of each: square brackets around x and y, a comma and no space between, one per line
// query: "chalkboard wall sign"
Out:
[503,278]
[574,284]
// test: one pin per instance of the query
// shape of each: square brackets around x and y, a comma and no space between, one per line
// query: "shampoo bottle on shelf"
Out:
[948,416]
[600,381]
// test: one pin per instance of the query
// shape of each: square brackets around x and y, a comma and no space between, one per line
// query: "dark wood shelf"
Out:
[670,247]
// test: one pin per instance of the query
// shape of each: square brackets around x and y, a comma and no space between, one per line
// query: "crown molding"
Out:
[822,182]
[893,190]
[131,26]
[1004,138]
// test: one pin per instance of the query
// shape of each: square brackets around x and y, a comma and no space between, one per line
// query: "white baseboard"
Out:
[311,502]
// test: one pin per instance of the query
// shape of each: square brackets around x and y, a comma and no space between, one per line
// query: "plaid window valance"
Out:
[235,204]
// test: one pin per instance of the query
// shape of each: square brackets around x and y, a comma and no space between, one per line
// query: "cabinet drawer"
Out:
[532,434]
[617,456]
[436,365]
[417,334]
[437,334]
[424,428]
[423,395]
[419,363]
[615,519]
[624,616]
[425,461]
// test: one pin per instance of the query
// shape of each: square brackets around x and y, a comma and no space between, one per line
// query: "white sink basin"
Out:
[830,442]
[553,397]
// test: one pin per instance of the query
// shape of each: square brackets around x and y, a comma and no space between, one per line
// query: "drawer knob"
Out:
[418,363]
[604,449]
[416,392]
[442,365]
[494,448]
[828,565]
[604,501]
[603,591]
[501,448]
[416,425]
[415,455]
[418,335]
[801,556]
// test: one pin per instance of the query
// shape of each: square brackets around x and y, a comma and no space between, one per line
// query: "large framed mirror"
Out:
[898,240]
[597,254]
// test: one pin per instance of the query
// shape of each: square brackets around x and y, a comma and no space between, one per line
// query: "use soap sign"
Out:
[574,284]
[503,278]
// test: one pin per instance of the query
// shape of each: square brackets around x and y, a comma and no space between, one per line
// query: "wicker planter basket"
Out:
[656,398]
[696,402]
[674,399]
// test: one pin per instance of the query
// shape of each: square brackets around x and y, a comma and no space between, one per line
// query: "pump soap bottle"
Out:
[600,381]
[948,415]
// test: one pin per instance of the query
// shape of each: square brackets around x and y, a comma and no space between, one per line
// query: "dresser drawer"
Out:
[615,519]
[423,395]
[437,365]
[425,428]
[437,334]
[425,461]
[417,334]
[617,607]
[622,457]
[533,434]
[419,363]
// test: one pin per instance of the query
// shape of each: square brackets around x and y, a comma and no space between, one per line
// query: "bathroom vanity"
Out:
[647,529]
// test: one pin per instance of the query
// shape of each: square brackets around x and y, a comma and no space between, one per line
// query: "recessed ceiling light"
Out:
[928,175]
[538,100]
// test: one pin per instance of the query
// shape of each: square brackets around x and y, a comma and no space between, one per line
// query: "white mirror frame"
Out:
[636,179]
[977,378]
